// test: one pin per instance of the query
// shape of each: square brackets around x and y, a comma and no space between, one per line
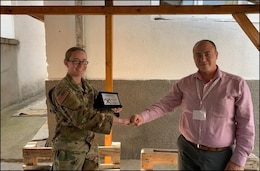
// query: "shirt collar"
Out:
[73,84]
[218,74]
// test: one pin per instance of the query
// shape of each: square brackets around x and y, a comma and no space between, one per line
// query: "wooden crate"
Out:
[152,156]
[40,158]
[252,163]
[114,151]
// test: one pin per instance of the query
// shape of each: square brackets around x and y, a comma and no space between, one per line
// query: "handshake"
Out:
[134,120]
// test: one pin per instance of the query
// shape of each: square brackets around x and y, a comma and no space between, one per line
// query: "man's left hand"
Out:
[231,166]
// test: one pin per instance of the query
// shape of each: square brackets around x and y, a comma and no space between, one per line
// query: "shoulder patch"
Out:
[62,96]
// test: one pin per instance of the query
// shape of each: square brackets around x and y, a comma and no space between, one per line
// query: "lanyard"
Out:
[207,92]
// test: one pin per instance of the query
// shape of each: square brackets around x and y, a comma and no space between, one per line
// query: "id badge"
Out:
[199,115]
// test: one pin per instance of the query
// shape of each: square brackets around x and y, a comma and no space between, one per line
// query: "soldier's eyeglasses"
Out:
[77,62]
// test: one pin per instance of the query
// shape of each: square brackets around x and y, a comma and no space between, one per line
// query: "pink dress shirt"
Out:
[229,112]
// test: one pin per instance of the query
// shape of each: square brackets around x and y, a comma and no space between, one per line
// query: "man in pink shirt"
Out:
[217,121]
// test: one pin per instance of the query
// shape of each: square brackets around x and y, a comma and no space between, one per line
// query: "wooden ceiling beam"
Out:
[38,17]
[248,28]
[129,10]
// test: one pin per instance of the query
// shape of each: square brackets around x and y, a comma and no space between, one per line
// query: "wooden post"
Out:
[109,67]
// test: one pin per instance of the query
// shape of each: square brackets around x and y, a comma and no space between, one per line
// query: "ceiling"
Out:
[237,11]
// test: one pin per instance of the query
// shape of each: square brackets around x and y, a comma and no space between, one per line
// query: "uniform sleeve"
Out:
[81,115]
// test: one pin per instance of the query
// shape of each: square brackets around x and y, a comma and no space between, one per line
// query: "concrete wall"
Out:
[9,87]
[23,65]
[135,96]
[31,55]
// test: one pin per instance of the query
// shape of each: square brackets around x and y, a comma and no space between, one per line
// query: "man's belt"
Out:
[205,148]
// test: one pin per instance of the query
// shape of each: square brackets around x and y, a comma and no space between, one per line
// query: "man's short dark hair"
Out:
[205,40]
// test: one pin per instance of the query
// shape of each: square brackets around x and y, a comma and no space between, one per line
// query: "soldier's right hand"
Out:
[136,120]
[121,121]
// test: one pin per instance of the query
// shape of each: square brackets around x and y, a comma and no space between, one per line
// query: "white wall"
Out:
[31,55]
[60,35]
[32,66]
[7,23]
[167,46]
[7,26]
[147,49]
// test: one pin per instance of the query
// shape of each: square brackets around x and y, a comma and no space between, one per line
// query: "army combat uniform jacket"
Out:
[77,121]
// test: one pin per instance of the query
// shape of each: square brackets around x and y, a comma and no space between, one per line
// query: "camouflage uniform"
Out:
[73,143]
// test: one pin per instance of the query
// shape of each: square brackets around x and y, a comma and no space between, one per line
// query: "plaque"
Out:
[107,100]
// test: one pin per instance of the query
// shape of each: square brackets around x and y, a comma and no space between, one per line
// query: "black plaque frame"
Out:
[107,100]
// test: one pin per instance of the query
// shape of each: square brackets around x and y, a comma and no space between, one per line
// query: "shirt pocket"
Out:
[223,107]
